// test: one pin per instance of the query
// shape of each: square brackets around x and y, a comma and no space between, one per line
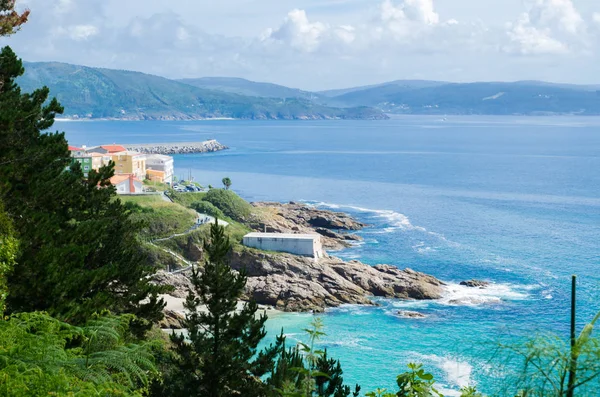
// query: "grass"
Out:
[232,205]
[161,218]
[187,199]
[158,186]
[161,259]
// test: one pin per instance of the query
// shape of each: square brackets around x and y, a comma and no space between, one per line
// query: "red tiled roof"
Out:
[115,180]
[74,149]
[113,148]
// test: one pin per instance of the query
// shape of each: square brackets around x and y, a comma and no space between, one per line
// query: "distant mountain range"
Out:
[105,93]
[93,93]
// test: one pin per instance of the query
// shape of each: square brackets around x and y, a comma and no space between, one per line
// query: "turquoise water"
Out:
[515,201]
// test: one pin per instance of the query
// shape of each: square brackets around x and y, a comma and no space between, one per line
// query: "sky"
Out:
[321,44]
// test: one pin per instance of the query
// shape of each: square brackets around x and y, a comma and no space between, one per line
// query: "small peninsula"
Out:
[288,282]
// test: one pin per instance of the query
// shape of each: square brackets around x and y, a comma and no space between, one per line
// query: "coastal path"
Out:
[201,219]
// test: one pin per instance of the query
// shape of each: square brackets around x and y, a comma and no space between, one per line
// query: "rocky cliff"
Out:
[293,283]
[334,227]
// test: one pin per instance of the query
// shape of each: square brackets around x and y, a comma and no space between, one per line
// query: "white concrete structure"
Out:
[161,162]
[297,244]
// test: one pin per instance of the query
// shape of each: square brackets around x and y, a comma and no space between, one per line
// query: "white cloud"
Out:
[557,14]
[299,32]
[82,32]
[390,39]
[549,27]
[527,39]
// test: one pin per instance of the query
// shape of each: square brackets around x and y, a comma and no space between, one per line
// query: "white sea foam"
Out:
[460,295]
[457,372]
[394,219]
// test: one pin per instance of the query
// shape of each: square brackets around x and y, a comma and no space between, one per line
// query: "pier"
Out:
[177,147]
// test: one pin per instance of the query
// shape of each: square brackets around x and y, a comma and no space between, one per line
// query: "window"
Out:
[86,168]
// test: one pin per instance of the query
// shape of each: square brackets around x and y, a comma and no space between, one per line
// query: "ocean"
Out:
[511,200]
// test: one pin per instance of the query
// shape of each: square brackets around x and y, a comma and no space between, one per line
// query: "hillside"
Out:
[246,87]
[105,93]
[523,98]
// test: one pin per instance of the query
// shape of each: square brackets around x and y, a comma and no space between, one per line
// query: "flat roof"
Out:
[284,235]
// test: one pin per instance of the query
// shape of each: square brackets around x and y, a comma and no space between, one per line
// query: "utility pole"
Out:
[573,361]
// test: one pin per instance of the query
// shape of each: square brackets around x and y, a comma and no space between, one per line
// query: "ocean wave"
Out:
[457,372]
[461,295]
[392,220]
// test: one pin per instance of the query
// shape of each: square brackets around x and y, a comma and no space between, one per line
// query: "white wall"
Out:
[304,247]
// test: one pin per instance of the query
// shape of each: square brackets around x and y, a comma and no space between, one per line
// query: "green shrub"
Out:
[41,356]
[206,207]
[230,203]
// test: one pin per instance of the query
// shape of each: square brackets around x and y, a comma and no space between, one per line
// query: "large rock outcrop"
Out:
[334,227]
[293,283]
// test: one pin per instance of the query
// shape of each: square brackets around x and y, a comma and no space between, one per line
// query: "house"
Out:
[106,149]
[297,244]
[78,155]
[127,184]
[161,162]
[128,162]
[155,176]
[100,160]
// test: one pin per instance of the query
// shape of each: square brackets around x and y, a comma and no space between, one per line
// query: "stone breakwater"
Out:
[178,148]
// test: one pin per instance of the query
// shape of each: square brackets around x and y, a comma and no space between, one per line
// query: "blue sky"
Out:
[322,44]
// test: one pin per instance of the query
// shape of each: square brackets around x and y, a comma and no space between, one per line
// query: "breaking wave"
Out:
[460,295]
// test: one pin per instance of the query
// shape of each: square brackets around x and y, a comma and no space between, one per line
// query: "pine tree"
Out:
[220,358]
[332,385]
[79,249]
[8,253]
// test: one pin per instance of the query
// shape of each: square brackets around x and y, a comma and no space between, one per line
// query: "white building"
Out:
[127,184]
[297,244]
[161,162]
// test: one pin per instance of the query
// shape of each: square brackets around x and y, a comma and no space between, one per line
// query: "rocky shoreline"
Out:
[178,148]
[293,283]
[335,228]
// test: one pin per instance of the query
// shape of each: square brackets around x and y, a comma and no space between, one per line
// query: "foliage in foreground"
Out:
[219,357]
[79,248]
[8,253]
[41,356]
[305,371]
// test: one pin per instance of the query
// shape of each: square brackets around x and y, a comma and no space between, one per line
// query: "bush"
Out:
[230,203]
[205,207]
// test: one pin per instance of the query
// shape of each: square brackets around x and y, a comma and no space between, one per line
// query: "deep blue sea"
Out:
[511,200]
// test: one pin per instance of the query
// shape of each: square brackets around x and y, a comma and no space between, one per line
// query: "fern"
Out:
[40,355]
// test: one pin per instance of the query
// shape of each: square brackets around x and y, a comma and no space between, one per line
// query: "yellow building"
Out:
[99,160]
[155,176]
[130,163]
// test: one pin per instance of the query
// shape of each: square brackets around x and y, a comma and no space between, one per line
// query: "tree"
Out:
[220,359]
[80,252]
[226,183]
[10,19]
[304,370]
[8,253]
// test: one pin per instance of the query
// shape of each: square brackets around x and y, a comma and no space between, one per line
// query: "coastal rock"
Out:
[475,283]
[411,314]
[179,281]
[172,320]
[293,283]
[178,148]
[300,218]
[333,220]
